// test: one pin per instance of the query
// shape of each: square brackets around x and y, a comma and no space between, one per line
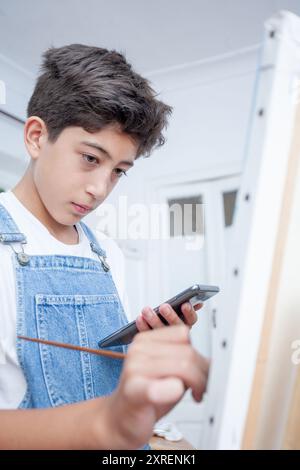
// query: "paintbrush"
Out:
[98,352]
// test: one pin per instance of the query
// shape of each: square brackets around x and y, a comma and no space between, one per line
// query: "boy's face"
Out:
[79,169]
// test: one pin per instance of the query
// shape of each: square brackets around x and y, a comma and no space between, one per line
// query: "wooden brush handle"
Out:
[98,352]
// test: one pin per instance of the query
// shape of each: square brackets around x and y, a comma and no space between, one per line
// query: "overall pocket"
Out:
[71,376]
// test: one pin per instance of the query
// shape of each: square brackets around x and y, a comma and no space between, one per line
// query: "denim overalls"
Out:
[67,299]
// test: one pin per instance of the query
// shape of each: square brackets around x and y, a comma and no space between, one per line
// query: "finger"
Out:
[187,366]
[141,324]
[193,376]
[189,314]
[174,334]
[140,390]
[199,392]
[198,306]
[151,318]
[169,314]
[135,389]
[166,391]
[151,351]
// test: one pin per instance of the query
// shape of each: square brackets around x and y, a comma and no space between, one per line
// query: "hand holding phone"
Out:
[148,319]
[194,294]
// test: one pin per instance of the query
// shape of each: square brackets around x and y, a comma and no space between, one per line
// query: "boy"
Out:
[89,118]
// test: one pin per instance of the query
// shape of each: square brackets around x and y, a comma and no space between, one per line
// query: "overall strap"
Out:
[9,231]
[10,234]
[94,244]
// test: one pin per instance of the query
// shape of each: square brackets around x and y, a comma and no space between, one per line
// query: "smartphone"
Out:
[194,294]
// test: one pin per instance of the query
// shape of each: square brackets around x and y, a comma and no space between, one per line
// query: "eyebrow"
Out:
[101,149]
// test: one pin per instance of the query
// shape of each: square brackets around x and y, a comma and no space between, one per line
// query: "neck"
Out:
[26,192]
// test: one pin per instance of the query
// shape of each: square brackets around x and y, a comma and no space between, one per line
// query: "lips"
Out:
[88,208]
[81,209]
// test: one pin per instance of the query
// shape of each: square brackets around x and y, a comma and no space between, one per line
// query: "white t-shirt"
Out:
[39,242]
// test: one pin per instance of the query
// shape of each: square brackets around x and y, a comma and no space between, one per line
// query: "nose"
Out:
[99,189]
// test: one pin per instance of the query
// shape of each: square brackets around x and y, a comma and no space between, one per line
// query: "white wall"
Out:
[18,86]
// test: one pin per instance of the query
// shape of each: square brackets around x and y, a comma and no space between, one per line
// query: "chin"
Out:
[72,220]
[66,220]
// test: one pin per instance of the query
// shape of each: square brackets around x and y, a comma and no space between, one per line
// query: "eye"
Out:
[88,158]
[120,172]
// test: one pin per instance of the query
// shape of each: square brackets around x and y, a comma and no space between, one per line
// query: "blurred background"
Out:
[202,58]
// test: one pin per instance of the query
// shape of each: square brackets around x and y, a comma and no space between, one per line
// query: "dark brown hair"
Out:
[92,87]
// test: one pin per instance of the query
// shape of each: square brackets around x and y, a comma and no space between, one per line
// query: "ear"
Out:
[35,135]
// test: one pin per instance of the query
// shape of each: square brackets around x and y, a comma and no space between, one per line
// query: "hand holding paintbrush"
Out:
[159,367]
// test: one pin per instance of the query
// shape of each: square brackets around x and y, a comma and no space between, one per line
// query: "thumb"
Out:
[144,391]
